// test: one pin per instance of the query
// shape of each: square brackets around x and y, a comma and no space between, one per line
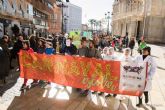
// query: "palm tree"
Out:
[93,24]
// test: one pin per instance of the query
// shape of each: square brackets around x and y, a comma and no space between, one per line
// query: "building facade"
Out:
[139,18]
[31,16]
[46,17]
[72,17]
[15,12]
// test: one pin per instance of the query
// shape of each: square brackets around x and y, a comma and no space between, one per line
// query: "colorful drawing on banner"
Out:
[132,76]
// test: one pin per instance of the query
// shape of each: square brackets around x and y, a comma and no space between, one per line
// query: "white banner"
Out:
[132,76]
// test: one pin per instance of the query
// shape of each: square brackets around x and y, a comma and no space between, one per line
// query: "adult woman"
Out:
[41,45]
[33,43]
[4,59]
[132,45]
[146,57]
[70,48]
[92,53]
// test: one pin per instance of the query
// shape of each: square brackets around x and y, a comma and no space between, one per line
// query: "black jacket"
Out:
[71,50]
[131,44]
[17,47]
[4,59]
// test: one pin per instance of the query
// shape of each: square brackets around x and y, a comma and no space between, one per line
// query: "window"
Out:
[50,6]
[43,23]
[30,9]
[34,12]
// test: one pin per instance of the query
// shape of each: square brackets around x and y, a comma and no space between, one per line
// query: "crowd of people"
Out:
[102,47]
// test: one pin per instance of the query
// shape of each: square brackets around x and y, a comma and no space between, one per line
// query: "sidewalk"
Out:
[68,99]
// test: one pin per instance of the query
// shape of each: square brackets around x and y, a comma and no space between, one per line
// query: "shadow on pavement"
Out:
[10,82]
[161,68]
[65,98]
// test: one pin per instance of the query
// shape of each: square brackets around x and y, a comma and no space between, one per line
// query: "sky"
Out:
[93,9]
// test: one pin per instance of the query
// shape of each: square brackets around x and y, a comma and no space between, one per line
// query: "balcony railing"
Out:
[123,15]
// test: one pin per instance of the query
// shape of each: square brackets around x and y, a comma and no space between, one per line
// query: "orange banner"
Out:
[77,72]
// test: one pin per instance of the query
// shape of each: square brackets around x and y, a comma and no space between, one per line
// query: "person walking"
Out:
[142,45]
[26,47]
[126,40]
[146,57]
[4,59]
[17,47]
[83,52]
[91,53]
[132,45]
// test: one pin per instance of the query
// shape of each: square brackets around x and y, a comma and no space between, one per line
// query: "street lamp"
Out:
[65,17]
[107,17]
[62,6]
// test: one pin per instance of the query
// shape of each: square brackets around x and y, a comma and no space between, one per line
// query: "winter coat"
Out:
[4,59]
[33,45]
[50,51]
[17,47]
[93,53]
[71,50]
[83,51]
[142,45]
[151,70]
[40,50]
[132,44]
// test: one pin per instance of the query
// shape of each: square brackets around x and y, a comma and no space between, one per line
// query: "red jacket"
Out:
[30,50]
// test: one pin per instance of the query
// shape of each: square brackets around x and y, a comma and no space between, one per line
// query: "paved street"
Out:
[61,98]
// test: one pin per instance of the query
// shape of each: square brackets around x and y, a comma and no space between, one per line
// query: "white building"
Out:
[72,17]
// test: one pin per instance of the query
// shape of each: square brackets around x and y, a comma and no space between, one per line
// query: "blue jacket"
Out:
[50,51]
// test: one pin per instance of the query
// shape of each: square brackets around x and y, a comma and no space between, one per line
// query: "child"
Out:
[49,48]
[26,47]
[126,57]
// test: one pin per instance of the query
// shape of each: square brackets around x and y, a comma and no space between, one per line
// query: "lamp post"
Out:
[65,17]
[145,16]
[107,18]
[62,6]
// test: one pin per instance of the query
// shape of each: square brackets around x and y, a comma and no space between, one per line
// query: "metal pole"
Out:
[62,25]
[145,15]
[108,26]
[106,21]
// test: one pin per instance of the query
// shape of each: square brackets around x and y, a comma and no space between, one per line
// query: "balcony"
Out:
[40,6]
[136,14]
